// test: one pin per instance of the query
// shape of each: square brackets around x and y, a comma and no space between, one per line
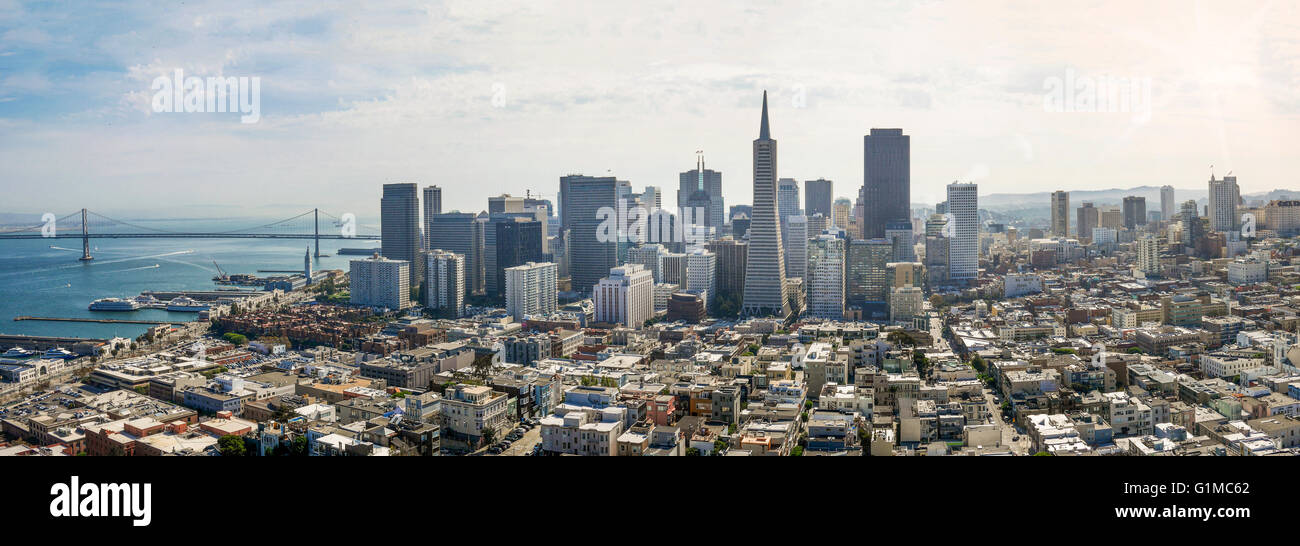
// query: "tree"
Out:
[231,446]
[237,339]
[489,435]
[978,364]
[797,451]
[719,446]
[692,452]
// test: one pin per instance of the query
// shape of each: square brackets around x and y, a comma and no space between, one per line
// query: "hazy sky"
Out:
[483,98]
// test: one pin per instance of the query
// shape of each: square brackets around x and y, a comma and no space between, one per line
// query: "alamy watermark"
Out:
[212,94]
[1098,94]
[638,224]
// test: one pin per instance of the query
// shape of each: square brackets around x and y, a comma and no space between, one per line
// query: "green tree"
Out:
[719,446]
[231,446]
[797,451]
[489,435]
[237,339]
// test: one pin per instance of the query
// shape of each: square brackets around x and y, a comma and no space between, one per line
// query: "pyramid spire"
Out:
[763,132]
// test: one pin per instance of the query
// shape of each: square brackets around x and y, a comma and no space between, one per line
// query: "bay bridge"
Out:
[86,225]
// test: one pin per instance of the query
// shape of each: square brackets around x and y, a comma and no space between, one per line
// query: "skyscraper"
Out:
[787,200]
[625,297]
[818,197]
[765,270]
[1168,207]
[460,232]
[509,240]
[1089,217]
[840,212]
[732,255]
[825,281]
[530,289]
[1148,254]
[444,283]
[702,188]
[702,275]
[1224,196]
[963,250]
[399,218]
[886,180]
[581,199]
[796,246]
[1061,213]
[1135,212]
[899,233]
[432,207]
[380,282]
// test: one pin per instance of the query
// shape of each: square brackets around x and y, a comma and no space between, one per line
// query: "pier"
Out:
[102,321]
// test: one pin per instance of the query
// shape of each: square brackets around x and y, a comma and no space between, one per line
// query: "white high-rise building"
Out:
[1168,206]
[963,250]
[648,255]
[444,282]
[380,282]
[1224,195]
[1148,254]
[531,289]
[625,297]
[702,274]
[765,292]
[825,281]
[796,246]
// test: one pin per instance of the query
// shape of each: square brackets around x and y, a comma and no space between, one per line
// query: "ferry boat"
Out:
[58,353]
[146,301]
[113,304]
[18,352]
[186,305]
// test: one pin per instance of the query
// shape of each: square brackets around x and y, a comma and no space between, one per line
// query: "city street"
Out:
[525,444]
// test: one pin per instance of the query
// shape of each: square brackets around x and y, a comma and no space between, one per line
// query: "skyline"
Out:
[364,97]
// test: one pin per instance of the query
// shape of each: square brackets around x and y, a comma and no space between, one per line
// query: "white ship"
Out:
[113,304]
[59,353]
[186,305]
[18,352]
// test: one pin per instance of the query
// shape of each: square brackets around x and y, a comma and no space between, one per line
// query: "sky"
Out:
[483,98]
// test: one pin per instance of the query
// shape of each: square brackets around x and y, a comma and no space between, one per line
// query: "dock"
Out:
[101,321]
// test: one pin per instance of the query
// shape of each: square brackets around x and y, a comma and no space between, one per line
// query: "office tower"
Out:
[796,246]
[732,255]
[649,256]
[531,289]
[1148,254]
[734,210]
[1283,217]
[934,225]
[672,269]
[1193,226]
[903,274]
[460,232]
[886,192]
[865,271]
[681,306]
[509,240]
[702,188]
[740,226]
[765,270]
[1135,212]
[818,197]
[840,212]
[787,199]
[817,224]
[590,255]
[399,212]
[899,232]
[380,282]
[1168,207]
[1112,218]
[444,283]
[1224,196]
[625,297]
[1060,214]
[963,250]
[1088,217]
[432,207]
[652,197]
[702,274]
[905,304]
[825,281]
[936,260]
[505,203]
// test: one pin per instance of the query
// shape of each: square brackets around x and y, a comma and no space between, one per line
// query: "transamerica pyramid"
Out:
[765,268]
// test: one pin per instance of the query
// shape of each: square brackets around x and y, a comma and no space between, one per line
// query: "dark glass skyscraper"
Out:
[459,232]
[818,196]
[702,188]
[886,180]
[399,219]
[581,198]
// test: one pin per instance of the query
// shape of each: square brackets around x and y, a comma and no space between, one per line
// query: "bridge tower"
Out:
[316,214]
[85,239]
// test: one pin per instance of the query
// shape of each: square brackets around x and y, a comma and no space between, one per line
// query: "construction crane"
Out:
[221,275]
